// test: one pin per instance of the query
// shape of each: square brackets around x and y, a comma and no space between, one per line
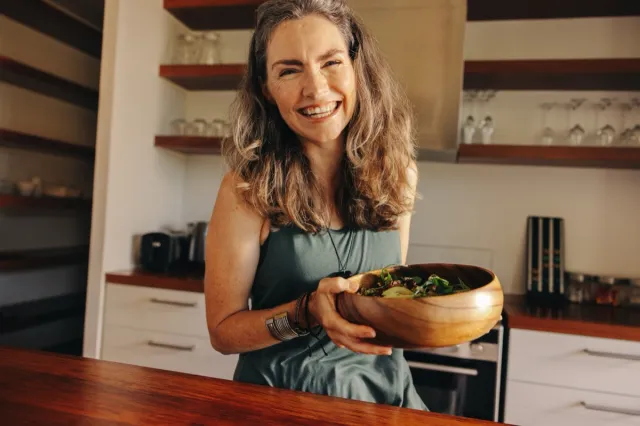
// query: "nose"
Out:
[315,85]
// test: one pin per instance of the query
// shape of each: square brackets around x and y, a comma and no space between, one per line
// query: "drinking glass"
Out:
[548,135]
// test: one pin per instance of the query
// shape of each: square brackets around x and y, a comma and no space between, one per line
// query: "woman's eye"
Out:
[287,71]
[334,62]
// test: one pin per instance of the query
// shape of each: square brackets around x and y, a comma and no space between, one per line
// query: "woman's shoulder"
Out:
[230,203]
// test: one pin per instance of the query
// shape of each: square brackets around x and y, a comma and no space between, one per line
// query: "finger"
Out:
[339,325]
[357,345]
[337,285]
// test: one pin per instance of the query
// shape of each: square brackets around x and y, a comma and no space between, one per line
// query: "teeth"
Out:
[320,111]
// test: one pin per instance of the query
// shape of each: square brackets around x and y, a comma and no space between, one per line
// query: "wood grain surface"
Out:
[583,320]
[44,388]
[428,321]
[188,281]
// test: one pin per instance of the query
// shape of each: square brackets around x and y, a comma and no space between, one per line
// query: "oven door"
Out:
[463,380]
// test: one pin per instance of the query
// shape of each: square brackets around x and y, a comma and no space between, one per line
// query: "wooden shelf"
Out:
[569,156]
[43,258]
[49,20]
[186,281]
[204,77]
[43,203]
[19,140]
[553,74]
[27,77]
[190,144]
[493,10]
[214,14]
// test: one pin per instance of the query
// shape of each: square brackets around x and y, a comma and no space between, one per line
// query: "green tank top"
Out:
[293,262]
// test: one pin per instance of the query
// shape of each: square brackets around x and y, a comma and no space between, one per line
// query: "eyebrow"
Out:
[297,62]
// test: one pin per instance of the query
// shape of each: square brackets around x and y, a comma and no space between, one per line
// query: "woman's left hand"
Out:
[343,333]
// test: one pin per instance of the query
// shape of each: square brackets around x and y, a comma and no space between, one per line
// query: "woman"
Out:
[320,186]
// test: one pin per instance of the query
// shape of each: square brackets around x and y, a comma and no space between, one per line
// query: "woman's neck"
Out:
[326,164]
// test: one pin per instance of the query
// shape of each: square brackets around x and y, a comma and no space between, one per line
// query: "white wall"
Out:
[138,188]
[477,213]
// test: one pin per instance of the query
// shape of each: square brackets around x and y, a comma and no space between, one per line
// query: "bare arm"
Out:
[404,222]
[232,253]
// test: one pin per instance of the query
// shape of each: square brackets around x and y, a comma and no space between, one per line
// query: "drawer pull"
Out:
[443,368]
[616,410]
[612,355]
[174,303]
[171,346]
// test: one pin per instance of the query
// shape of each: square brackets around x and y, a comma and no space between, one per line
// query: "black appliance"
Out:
[163,252]
[463,380]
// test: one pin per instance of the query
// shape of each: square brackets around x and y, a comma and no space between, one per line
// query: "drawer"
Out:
[171,311]
[589,363]
[529,404]
[186,354]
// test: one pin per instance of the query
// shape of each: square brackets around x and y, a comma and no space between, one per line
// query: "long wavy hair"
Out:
[265,155]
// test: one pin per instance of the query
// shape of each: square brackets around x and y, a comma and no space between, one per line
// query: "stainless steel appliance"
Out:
[198,237]
[463,380]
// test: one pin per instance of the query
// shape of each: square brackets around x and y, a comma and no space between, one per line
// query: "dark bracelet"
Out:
[301,331]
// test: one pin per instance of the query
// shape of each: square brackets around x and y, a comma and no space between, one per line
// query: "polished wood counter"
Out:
[584,320]
[44,388]
[185,280]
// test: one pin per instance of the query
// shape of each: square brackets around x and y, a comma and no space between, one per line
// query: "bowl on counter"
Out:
[427,322]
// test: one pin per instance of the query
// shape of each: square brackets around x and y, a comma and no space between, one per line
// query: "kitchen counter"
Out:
[584,320]
[45,388]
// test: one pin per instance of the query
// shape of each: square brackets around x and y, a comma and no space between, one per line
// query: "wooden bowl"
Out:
[428,321]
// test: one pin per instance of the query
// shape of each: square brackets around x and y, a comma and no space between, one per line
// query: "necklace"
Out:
[343,272]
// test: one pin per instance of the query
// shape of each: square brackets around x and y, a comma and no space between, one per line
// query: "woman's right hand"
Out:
[343,333]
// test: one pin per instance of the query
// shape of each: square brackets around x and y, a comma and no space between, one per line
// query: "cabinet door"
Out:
[166,351]
[423,42]
[590,363]
[529,404]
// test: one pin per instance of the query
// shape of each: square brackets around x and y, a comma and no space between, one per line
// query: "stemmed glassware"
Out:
[577,132]
[471,125]
[606,134]
[548,135]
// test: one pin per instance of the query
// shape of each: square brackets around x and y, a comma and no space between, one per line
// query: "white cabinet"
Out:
[530,404]
[163,329]
[562,379]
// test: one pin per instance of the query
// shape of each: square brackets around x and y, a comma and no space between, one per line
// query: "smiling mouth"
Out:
[322,111]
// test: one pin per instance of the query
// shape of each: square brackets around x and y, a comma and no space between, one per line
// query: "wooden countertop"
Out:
[571,318]
[44,388]
[185,280]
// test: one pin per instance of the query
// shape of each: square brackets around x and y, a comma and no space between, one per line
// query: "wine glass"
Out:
[576,133]
[548,134]
[469,124]
[606,134]
[486,125]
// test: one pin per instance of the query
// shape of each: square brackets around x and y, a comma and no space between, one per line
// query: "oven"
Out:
[463,380]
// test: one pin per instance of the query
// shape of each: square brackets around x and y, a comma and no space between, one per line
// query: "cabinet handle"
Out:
[596,407]
[174,303]
[172,346]
[612,355]
[443,368]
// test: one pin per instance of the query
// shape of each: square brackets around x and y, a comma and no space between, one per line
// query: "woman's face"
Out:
[311,79]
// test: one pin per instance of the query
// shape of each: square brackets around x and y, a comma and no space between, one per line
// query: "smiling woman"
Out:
[321,185]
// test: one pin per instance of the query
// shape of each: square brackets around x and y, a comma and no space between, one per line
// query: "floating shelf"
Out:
[43,258]
[43,203]
[493,10]
[214,14]
[186,281]
[49,20]
[569,156]
[27,77]
[561,74]
[204,77]
[190,144]
[19,140]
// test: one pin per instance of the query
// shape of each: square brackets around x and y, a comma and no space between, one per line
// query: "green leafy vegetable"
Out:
[396,286]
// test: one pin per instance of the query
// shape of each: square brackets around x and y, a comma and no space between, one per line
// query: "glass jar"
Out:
[210,52]
[579,287]
[185,49]
[612,291]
